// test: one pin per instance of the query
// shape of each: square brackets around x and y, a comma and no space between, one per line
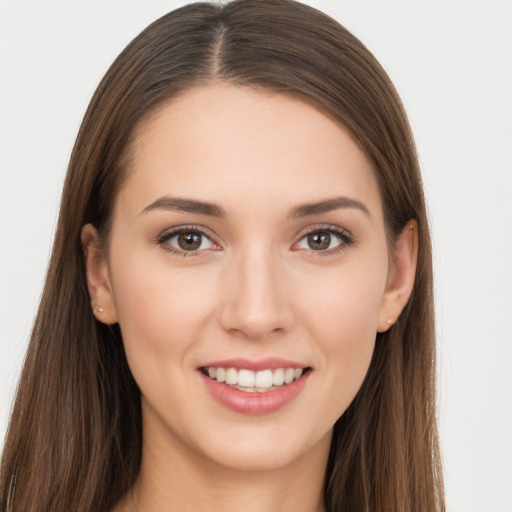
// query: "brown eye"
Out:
[319,241]
[186,241]
[190,241]
[326,240]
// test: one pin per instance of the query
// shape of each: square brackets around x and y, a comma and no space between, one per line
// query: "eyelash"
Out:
[163,240]
[345,238]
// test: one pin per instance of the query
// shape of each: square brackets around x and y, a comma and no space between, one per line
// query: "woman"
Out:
[238,308]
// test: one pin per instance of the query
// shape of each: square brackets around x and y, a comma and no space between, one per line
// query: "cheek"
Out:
[160,309]
[342,317]
[344,303]
[347,330]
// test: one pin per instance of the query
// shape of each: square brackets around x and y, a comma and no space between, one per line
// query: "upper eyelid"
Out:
[170,232]
[323,227]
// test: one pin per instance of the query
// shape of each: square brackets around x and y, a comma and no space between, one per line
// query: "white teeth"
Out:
[263,379]
[221,375]
[243,388]
[278,377]
[231,376]
[250,381]
[246,378]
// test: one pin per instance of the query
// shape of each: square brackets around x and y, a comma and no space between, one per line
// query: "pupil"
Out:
[189,241]
[319,241]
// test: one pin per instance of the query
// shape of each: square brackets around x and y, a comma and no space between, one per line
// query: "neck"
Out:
[175,478]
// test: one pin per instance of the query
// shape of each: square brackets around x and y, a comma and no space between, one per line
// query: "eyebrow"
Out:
[182,204]
[327,205]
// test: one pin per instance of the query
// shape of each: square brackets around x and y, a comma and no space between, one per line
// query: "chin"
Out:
[264,450]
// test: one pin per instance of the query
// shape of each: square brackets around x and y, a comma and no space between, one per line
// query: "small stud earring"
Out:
[99,309]
[389,322]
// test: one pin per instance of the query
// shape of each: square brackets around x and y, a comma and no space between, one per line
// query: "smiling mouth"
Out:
[254,381]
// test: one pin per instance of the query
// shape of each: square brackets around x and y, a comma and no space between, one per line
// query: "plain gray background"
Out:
[451,61]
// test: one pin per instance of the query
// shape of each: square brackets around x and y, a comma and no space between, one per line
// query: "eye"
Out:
[325,240]
[185,240]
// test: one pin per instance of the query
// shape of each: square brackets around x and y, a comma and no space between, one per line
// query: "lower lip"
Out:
[255,403]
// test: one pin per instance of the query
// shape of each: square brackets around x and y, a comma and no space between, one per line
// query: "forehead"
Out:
[243,147]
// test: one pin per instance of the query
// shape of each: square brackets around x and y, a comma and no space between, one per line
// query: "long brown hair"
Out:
[75,437]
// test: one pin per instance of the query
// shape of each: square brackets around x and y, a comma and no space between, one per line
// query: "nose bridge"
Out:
[255,299]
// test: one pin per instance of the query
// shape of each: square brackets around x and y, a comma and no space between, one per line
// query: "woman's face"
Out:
[247,244]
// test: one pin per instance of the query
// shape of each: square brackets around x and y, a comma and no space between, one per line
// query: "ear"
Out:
[401,277]
[98,277]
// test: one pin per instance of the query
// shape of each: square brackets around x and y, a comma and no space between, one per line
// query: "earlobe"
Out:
[98,277]
[401,277]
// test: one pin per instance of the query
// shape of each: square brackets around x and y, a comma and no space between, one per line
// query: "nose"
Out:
[254,300]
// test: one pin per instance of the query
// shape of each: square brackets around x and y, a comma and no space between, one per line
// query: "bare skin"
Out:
[168,485]
[215,254]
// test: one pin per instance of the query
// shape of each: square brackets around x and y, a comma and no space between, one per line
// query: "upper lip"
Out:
[270,363]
